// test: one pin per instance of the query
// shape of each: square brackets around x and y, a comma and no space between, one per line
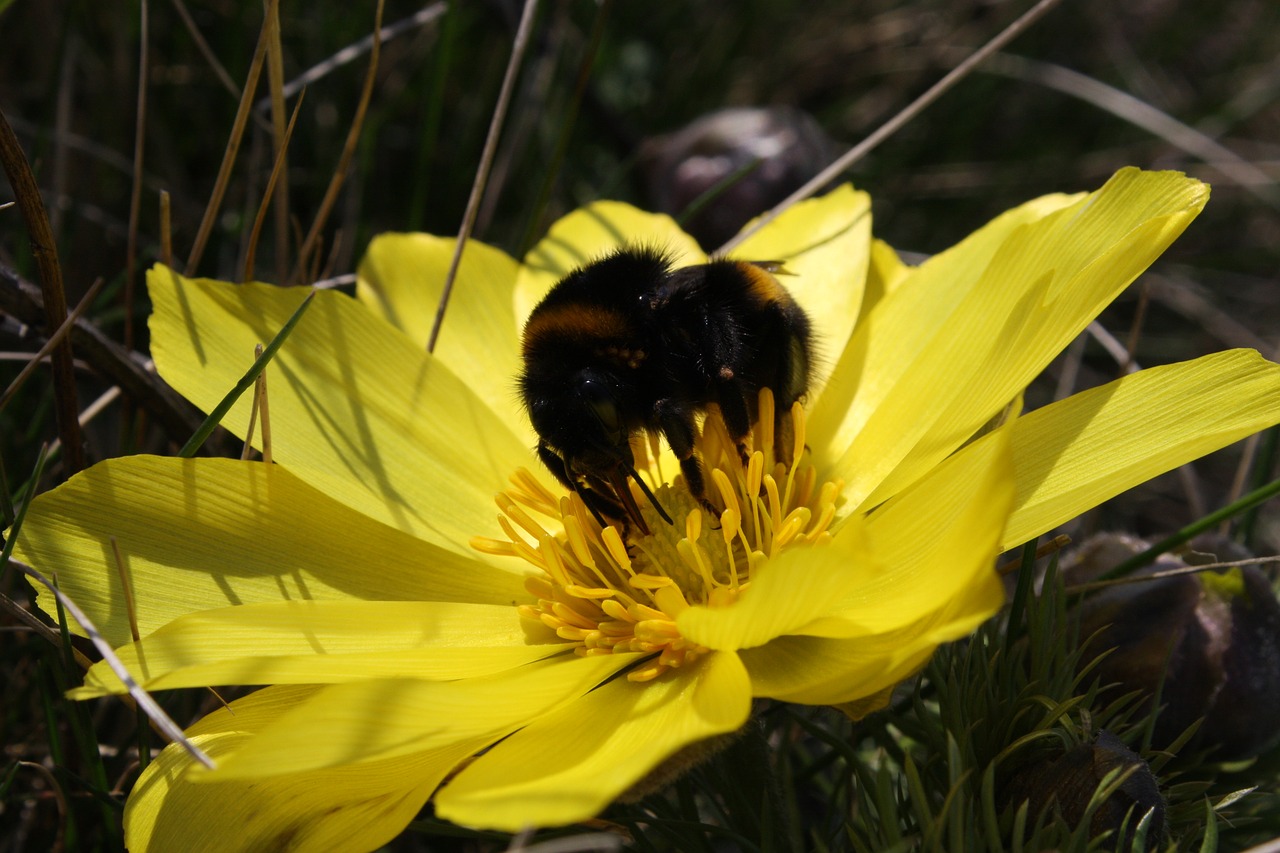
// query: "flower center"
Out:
[609,595]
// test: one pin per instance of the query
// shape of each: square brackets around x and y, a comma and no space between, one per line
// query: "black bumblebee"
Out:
[627,344]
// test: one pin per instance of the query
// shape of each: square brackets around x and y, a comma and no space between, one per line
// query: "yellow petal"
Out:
[353,807]
[199,534]
[1081,257]
[886,342]
[382,719]
[972,326]
[934,546]
[400,279]
[932,543]
[589,233]
[321,642]
[920,550]
[838,670]
[786,594]
[1074,454]
[833,671]
[569,764]
[860,708]
[358,410]
[826,244]
[884,273]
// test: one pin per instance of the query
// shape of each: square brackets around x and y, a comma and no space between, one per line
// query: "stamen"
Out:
[512,511]
[578,543]
[494,547]
[539,496]
[765,422]
[775,503]
[604,594]
[728,494]
[618,551]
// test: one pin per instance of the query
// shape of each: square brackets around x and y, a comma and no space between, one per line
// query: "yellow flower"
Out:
[414,649]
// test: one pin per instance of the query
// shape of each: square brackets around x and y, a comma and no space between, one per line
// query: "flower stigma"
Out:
[608,591]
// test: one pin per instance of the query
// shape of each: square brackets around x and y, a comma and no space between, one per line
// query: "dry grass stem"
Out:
[233,148]
[518,48]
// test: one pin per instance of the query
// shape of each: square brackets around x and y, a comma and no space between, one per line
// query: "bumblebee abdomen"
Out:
[762,286]
[576,326]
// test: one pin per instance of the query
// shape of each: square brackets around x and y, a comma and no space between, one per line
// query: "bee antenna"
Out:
[644,487]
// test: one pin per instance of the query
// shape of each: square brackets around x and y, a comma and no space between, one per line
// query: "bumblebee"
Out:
[626,344]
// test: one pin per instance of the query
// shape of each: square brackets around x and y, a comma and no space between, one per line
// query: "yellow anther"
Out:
[494,547]
[671,600]
[602,593]
[524,480]
[728,494]
[641,613]
[616,610]
[730,523]
[608,595]
[550,552]
[774,503]
[513,511]
[617,550]
[693,524]
[578,542]
[539,586]
[650,581]
[755,470]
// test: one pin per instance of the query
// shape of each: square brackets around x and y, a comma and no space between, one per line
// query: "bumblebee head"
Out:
[585,439]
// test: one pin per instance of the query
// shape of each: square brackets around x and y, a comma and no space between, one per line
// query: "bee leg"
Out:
[732,397]
[678,426]
[599,505]
[555,465]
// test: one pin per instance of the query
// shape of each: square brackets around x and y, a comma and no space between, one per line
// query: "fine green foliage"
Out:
[940,769]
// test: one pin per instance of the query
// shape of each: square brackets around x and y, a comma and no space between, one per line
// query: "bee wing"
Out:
[773,267]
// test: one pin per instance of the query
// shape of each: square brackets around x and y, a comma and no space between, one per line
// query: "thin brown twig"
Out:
[277,172]
[206,51]
[45,251]
[1072,360]
[54,340]
[1053,546]
[348,151]
[261,402]
[354,51]
[62,114]
[1135,328]
[280,146]
[126,585]
[232,149]
[36,626]
[1168,573]
[166,231]
[536,90]
[107,357]
[1186,297]
[1141,114]
[1128,365]
[518,48]
[135,193]
[171,729]
[893,125]
[59,796]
